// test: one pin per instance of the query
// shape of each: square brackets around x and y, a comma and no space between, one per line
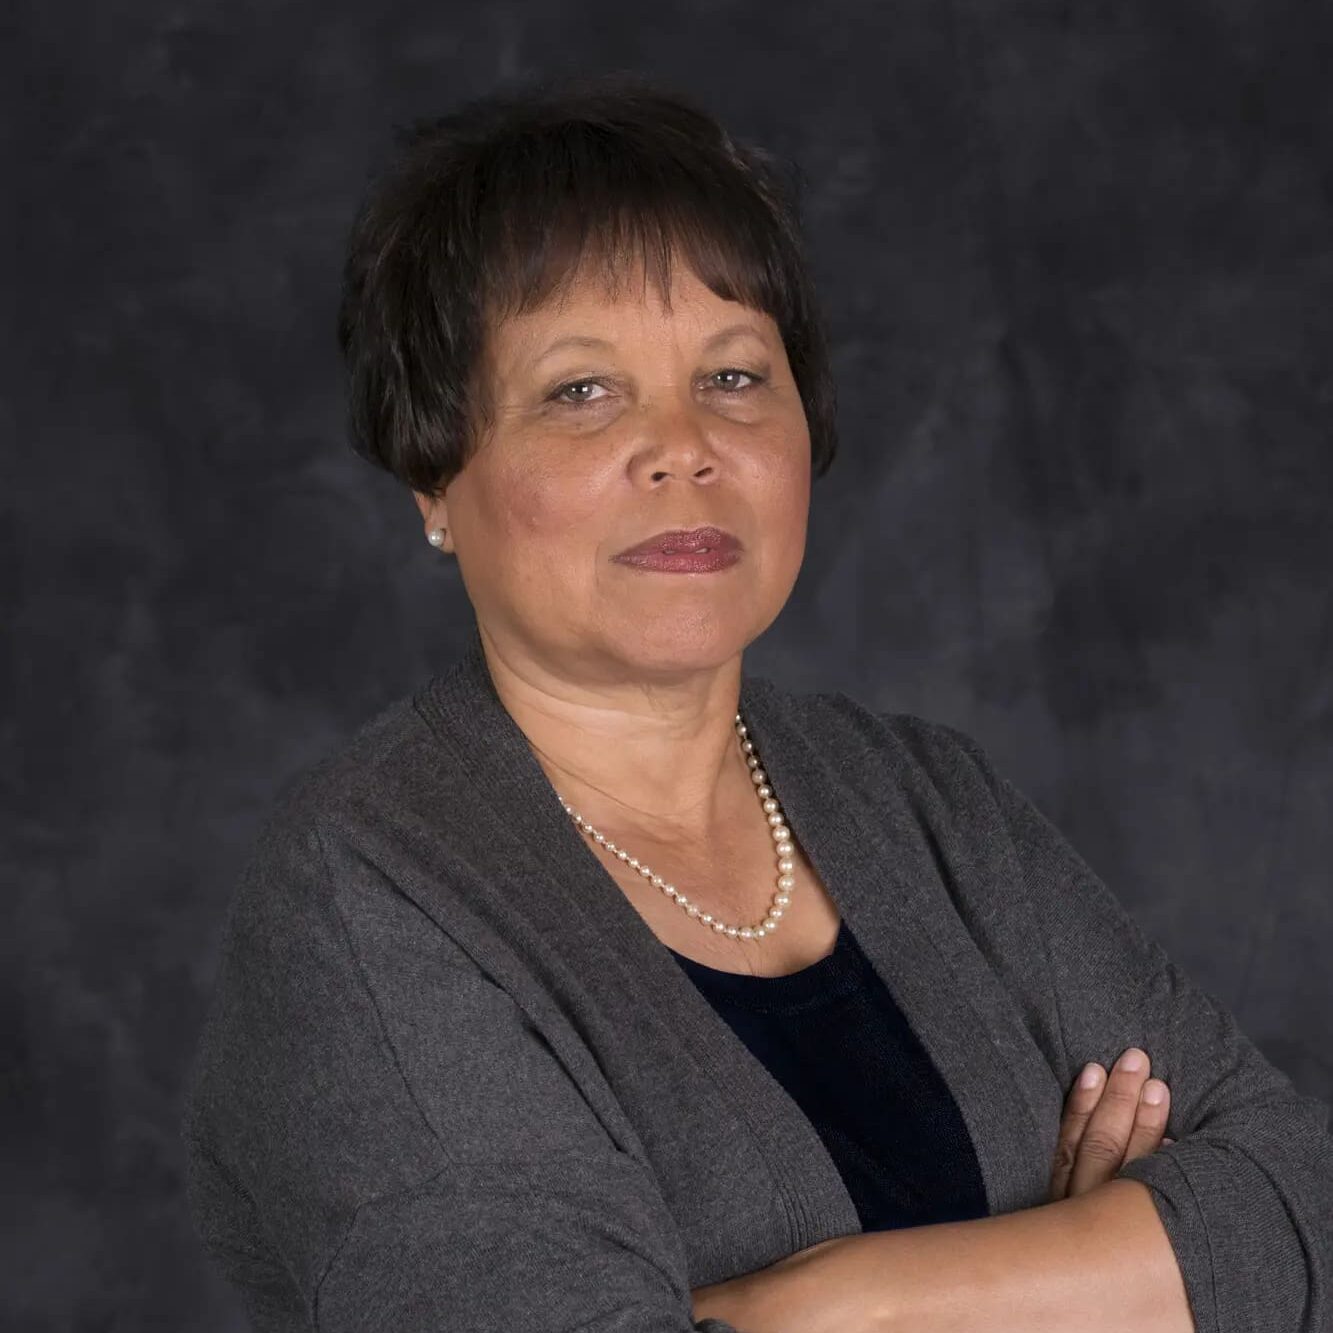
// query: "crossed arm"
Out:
[1229,1228]
[1100,1262]
[1106,1261]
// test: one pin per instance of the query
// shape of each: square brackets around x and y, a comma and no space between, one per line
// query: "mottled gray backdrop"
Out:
[1078,264]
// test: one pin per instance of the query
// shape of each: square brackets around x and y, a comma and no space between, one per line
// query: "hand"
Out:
[1106,1126]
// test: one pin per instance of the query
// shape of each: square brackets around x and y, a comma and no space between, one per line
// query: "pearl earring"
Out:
[436,537]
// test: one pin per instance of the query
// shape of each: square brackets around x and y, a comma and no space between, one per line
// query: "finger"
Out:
[1149,1121]
[1101,1152]
[1079,1107]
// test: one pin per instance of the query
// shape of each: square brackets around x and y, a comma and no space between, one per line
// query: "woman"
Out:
[599,984]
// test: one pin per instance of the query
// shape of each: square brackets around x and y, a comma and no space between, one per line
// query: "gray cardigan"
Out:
[452,1081]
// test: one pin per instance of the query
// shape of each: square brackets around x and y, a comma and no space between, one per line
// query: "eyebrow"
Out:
[586,340]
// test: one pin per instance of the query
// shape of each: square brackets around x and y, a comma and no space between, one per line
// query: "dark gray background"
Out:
[1079,275]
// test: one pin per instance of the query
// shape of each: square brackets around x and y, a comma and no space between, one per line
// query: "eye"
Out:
[733,371]
[558,394]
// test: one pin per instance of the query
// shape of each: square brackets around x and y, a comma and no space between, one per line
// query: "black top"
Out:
[833,1037]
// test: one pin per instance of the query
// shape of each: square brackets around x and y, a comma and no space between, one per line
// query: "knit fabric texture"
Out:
[451,1079]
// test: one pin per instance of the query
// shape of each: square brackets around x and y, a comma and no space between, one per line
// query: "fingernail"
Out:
[1154,1093]
[1090,1076]
[1132,1061]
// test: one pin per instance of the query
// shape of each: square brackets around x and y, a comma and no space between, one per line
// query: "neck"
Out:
[667,765]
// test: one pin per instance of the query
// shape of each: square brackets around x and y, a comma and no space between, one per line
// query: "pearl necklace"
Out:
[783,846]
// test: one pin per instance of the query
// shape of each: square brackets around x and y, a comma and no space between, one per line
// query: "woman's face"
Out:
[613,420]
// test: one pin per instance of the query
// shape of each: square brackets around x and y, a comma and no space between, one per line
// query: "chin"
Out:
[672,647]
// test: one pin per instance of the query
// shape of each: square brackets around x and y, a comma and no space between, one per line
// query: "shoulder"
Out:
[378,754]
[308,850]
[309,904]
[918,752]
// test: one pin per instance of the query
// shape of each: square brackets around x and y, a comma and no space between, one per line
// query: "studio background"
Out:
[1077,265]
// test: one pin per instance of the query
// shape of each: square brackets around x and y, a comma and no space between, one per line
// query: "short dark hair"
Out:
[489,210]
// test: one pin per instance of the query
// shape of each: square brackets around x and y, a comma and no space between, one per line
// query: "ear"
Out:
[435,514]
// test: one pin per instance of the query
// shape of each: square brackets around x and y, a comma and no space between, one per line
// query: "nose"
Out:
[676,444]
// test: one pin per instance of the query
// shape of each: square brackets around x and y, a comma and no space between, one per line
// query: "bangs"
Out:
[569,203]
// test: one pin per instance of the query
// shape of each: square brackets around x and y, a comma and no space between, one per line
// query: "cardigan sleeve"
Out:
[1245,1194]
[378,1139]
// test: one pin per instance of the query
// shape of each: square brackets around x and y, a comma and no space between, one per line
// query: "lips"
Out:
[683,541]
